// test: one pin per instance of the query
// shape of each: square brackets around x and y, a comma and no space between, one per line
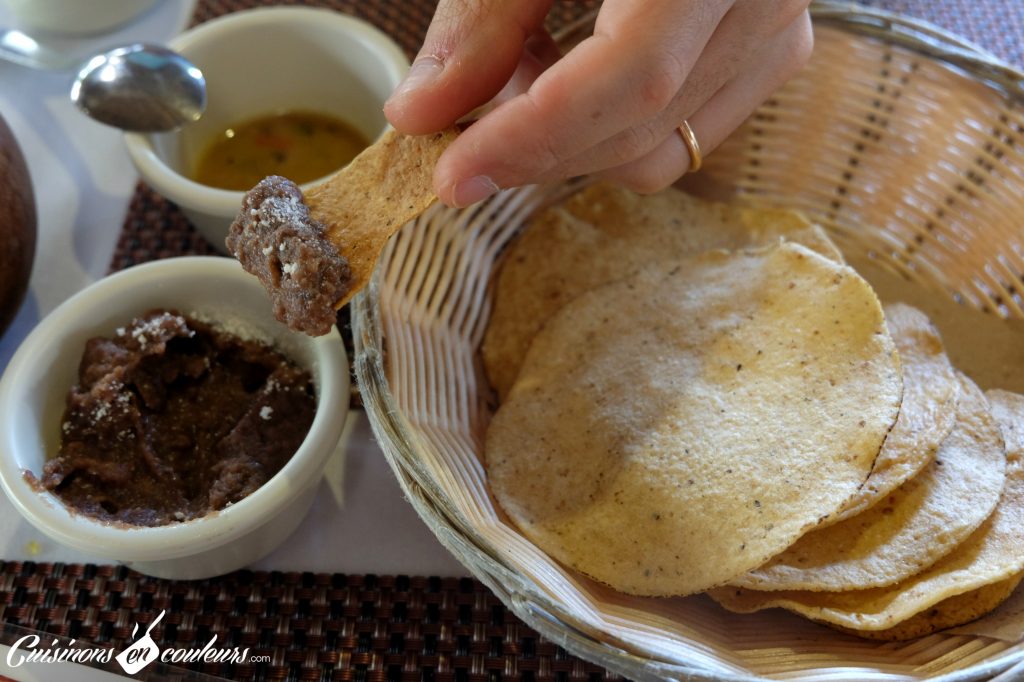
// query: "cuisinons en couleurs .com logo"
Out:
[141,653]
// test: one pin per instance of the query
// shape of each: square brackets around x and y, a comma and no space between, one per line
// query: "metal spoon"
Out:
[140,88]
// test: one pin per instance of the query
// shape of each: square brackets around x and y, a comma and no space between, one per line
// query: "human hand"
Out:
[611,106]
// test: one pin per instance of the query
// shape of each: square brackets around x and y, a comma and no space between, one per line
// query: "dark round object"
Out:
[17,226]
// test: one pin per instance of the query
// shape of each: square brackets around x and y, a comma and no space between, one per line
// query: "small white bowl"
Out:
[260,62]
[34,388]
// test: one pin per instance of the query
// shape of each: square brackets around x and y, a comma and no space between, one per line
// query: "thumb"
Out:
[471,50]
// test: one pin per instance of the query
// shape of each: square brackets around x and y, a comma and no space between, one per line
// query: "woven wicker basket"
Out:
[906,143]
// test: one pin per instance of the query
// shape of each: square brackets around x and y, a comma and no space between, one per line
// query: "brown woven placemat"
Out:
[309,626]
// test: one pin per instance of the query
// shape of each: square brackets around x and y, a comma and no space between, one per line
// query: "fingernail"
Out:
[423,71]
[473,190]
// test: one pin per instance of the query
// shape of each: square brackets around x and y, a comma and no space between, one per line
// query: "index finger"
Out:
[471,49]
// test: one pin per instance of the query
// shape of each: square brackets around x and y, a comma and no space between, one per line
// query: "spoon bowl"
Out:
[140,88]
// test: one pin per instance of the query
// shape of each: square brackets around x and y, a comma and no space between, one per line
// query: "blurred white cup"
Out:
[75,17]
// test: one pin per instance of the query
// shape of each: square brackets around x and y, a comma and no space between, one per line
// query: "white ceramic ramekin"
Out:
[35,385]
[266,61]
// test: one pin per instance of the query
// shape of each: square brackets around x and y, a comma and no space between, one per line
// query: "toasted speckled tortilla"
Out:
[918,523]
[993,553]
[948,613]
[928,413]
[677,428]
[604,233]
[386,186]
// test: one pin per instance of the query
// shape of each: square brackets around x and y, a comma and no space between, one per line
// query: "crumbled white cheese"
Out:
[265,412]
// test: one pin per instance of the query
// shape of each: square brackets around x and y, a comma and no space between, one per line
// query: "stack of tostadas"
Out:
[702,397]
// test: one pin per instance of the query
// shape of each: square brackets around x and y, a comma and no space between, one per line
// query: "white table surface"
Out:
[83,181]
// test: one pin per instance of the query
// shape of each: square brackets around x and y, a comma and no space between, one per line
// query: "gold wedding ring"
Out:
[692,146]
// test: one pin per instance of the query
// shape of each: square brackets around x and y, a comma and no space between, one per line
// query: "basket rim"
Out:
[925,38]
[513,589]
[919,35]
